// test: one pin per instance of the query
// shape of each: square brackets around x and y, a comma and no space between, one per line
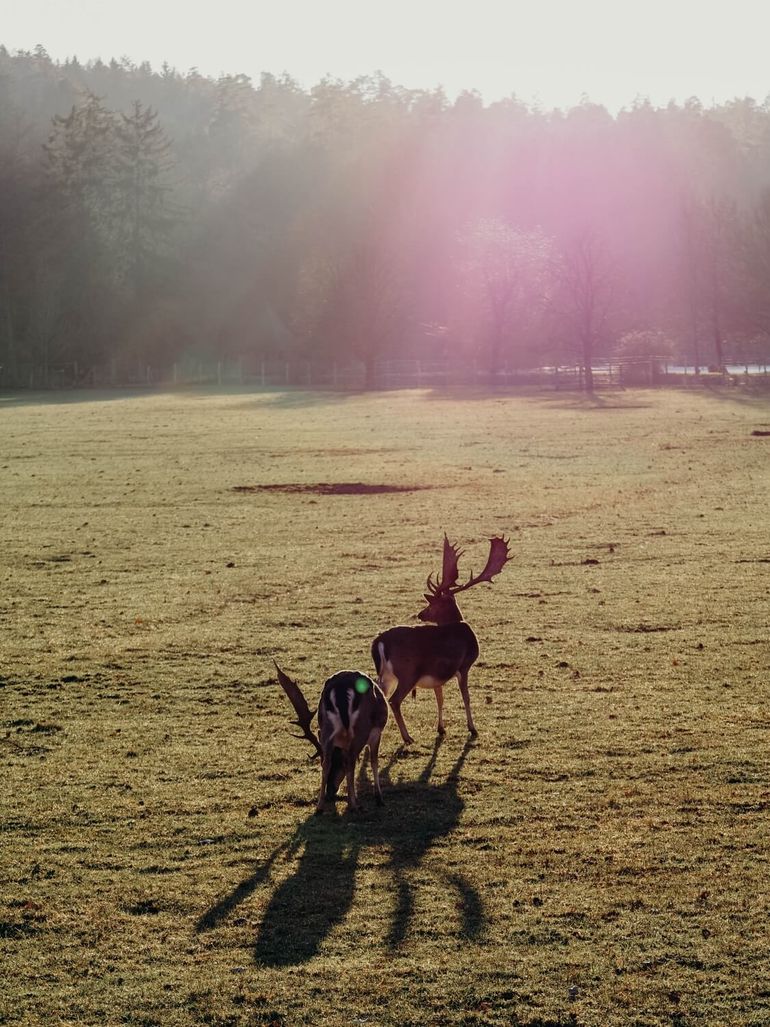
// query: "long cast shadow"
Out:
[304,909]
[220,909]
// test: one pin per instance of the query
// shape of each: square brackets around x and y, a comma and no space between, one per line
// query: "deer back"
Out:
[433,650]
[350,708]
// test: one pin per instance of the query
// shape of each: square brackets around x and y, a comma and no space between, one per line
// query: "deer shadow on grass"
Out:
[303,909]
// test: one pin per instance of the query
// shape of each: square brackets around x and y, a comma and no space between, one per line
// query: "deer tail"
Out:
[378,653]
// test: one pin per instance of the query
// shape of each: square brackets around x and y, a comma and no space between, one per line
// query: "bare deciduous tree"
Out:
[503,288]
[587,294]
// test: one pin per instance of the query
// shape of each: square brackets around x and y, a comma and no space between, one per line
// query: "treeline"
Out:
[153,216]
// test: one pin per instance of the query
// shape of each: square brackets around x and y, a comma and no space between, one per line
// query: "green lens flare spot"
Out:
[362,685]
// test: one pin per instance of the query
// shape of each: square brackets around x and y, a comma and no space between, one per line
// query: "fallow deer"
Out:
[352,713]
[429,656]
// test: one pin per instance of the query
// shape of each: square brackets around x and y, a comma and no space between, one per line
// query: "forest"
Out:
[158,217]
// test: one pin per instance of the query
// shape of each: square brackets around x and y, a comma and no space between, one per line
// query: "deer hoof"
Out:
[473,732]
[441,730]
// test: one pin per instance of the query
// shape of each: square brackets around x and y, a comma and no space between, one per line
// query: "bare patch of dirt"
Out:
[335,488]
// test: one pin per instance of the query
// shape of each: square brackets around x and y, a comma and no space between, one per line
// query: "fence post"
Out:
[174,374]
[287,372]
[219,372]
[262,374]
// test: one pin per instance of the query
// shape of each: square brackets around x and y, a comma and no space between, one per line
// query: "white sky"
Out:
[546,50]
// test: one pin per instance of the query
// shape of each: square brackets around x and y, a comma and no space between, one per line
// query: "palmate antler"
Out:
[499,555]
[301,708]
[449,571]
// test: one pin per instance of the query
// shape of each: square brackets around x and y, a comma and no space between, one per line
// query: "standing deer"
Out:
[427,657]
[352,713]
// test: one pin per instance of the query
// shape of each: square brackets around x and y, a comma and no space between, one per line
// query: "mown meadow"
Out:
[600,855]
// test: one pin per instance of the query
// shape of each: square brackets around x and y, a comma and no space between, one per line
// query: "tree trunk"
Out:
[718,351]
[369,373]
[694,332]
[495,350]
[588,371]
[9,358]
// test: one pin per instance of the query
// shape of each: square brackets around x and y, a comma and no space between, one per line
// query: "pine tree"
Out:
[144,214]
[80,177]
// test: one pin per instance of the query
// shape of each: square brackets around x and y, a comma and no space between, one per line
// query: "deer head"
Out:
[442,607]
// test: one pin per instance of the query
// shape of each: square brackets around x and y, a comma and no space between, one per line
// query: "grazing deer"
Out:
[427,657]
[352,713]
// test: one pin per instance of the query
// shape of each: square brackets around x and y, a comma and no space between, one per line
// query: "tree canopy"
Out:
[147,212]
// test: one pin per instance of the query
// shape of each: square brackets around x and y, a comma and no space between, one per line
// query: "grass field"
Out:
[599,856]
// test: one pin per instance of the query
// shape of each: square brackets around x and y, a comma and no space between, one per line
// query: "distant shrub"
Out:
[644,354]
[645,344]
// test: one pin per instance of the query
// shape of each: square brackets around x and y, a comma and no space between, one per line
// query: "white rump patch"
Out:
[352,714]
[387,679]
[341,736]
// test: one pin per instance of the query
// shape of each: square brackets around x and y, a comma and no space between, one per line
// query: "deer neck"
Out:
[451,615]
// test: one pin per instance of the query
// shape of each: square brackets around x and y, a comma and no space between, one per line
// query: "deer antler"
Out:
[298,701]
[449,571]
[499,555]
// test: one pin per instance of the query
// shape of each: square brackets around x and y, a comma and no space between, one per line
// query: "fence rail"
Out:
[393,374]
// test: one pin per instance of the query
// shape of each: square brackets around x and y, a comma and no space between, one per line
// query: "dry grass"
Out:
[599,857]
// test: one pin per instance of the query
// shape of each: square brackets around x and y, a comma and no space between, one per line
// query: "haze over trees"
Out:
[154,216]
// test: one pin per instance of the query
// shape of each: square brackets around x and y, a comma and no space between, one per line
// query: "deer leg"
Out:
[374,754]
[395,704]
[351,776]
[439,690]
[326,762]
[462,678]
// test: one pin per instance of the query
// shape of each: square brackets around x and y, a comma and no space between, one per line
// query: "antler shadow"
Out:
[305,907]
